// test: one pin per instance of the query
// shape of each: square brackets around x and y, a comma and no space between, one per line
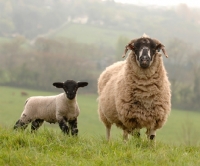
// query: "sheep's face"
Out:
[144,49]
[70,87]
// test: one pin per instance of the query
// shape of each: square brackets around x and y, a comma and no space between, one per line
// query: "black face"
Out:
[144,48]
[70,87]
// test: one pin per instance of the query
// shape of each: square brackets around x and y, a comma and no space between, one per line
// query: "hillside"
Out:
[92,34]
[38,18]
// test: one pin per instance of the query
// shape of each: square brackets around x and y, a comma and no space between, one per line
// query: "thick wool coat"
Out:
[132,97]
[52,109]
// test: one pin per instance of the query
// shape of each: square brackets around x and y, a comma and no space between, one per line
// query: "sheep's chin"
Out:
[144,65]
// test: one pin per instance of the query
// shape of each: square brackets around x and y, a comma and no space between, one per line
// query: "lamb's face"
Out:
[70,87]
[144,49]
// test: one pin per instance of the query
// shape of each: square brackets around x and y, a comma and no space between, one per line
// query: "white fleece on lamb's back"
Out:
[40,107]
[50,108]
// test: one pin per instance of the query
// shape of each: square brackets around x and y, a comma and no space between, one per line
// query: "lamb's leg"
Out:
[151,134]
[20,124]
[73,127]
[36,124]
[63,126]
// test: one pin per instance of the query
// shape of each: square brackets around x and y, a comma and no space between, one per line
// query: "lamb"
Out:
[135,93]
[62,108]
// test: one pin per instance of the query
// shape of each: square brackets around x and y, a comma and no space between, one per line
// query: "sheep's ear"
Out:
[58,84]
[129,46]
[82,84]
[160,46]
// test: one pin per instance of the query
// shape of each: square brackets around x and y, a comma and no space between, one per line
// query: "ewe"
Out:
[62,108]
[135,93]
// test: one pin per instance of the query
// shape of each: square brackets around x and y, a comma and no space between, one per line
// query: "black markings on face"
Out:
[70,87]
[144,49]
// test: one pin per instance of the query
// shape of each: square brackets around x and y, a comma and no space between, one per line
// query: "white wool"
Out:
[50,108]
[134,98]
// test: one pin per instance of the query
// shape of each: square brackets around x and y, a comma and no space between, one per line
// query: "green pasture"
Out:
[181,127]
[50,147]
[98,35]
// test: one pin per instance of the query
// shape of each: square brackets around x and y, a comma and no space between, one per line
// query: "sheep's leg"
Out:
[136,133]
[20,124]
[108,129]
[151,134]
[73,127]
[36,124]
[63,126]
[106,123]
[125,135]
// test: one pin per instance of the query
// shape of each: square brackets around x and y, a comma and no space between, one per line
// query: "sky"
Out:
[190,3]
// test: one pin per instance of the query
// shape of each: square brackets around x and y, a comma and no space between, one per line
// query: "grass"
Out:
[182,127]
[50,147]
[177,143]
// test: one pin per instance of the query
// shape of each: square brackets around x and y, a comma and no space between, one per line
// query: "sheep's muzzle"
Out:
[144,61]
[144,57]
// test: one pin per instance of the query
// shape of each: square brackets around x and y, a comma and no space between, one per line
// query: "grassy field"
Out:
[50,147]
[182,127]
[177,143]
[97,34]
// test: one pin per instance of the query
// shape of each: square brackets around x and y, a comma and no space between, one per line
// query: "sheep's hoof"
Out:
[66,130]
[20,125]
[17,125]
[74,132]
[152,137]
[137,134]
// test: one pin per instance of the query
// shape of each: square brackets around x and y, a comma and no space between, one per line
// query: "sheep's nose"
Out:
[70,96]
[144,58]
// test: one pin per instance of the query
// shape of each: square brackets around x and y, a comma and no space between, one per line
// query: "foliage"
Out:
[48,60]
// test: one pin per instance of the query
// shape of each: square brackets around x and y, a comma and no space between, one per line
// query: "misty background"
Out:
[42,42]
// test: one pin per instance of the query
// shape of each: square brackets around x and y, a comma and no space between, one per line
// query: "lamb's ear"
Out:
[82,84]
[129,46]
[160,46]
[58,84]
